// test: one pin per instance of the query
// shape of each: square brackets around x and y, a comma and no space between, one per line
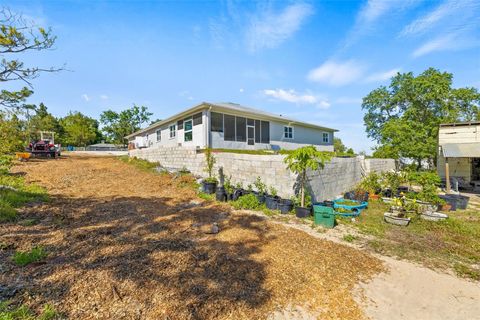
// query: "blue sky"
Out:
[313,61]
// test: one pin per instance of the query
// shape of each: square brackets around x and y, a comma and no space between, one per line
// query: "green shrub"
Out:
[140,163]
[371,183]
[206,196]
[260,186]
[9,312]
[22,258]
[7,212]
[248,201]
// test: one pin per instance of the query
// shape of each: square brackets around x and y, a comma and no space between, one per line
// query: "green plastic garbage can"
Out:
[324,216]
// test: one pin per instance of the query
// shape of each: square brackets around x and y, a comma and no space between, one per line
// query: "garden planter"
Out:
[221,195]
[390,217]
[324,216]
[237,194]
[302,212]
[445,207]
[271,202]
[433,216]
[209,187]
[285,205]
[373,197]
[451,199]
[260,198]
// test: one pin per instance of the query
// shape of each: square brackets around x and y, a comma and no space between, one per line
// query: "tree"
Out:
[341,149]
[43,121]
[18,36]
[79,129]
[302,159]
[118,125]
[10,133]
[404,117]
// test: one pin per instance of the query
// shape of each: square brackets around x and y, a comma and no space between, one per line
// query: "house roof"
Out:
[232,107]
[461,150]
[459,124]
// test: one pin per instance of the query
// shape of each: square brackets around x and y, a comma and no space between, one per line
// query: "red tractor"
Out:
[45,147]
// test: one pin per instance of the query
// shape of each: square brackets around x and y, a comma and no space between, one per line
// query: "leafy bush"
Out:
[428,181]
[371,183]
[7,212]
[22,258]
[209,163]
[260,186]
[8,312]
[248,201]
[392,180]
[140,163]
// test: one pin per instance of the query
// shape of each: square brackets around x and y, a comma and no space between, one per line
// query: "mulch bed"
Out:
[124,243]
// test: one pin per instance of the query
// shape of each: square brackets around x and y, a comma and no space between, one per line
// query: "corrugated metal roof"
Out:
[461,150]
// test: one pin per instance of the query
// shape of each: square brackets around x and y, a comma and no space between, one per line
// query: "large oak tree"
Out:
[404,117]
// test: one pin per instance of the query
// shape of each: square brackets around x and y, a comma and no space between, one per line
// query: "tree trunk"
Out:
[302,204]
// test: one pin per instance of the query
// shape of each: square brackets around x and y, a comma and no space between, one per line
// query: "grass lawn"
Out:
[454,243]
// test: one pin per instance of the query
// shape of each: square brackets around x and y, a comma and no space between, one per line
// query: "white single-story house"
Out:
[231,126]
[459,153]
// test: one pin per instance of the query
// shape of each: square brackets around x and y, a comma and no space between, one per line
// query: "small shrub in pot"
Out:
[271,200]
[261,189]
[210,183]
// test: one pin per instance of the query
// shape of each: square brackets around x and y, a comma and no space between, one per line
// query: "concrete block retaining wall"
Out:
[338,176]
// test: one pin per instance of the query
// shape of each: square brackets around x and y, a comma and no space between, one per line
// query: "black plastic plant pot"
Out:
[285,206]
[237,194]
[302,212]
[221,195]
[271,202]
[260,198]
[209,187]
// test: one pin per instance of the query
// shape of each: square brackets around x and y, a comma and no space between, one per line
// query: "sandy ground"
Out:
[409,291]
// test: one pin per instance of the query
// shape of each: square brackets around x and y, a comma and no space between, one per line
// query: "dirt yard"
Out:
[124,243]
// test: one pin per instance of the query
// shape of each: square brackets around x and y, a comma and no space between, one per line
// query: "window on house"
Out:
[197,118]
[229,127]
[188,130]
[265,137]
[288,132]
[159,135]
[241,133]
[173,131]
[180,124]
[325,137]
[217,122]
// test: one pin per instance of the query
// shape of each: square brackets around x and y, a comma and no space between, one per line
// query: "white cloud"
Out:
[440,43]
[382,76]
[104,97]
[269,30]
[337,73]
[297,98]
[456,11]
[85,97]
[373,10]
[241,90]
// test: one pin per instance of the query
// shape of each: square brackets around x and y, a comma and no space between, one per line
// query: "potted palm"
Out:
[299,161]
[210,183]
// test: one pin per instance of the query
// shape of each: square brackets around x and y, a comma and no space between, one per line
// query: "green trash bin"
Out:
[324,216]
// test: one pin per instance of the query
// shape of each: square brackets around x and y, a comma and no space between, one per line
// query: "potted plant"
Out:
[299,161]
[238,191]
[285,205]
[229,189]
[261,189]
[210,183]
[271,199]
[305,210]
[371,184]
[398,213]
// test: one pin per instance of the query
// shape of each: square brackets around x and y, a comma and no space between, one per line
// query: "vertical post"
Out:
[447,176]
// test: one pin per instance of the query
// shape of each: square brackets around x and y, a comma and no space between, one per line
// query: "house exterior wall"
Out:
[338,176]
[458,167]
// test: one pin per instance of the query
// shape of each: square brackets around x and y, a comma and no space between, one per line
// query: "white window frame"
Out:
[174,126]
[159,135]
[185,131]
[285,132]
[325,134]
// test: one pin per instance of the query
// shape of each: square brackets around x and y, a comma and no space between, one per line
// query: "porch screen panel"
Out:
[241,129]
[197,118]
[217,122]
[265,132]
[229,128]
[257,131]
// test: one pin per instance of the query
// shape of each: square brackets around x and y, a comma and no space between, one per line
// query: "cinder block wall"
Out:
[338,176]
